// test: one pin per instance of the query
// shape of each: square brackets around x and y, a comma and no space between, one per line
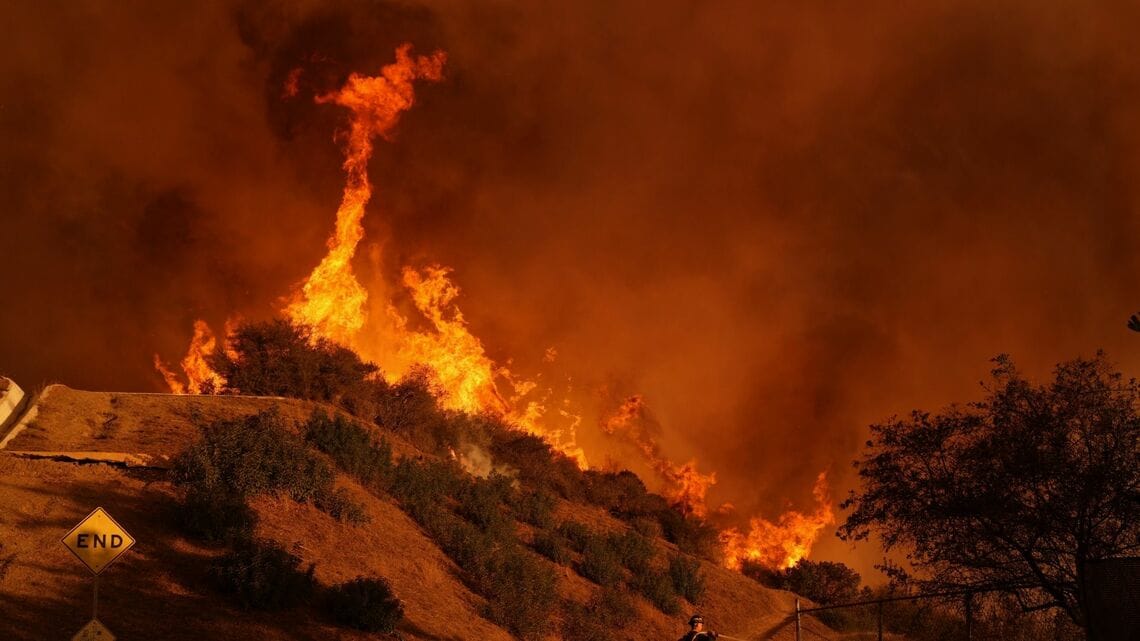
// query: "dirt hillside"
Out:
[51,476]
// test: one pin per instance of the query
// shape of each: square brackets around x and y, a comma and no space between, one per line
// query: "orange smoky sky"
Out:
[777,222]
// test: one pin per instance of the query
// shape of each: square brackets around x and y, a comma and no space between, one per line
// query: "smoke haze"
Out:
[777,222]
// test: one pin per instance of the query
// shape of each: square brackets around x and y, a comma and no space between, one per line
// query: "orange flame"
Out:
[333,303]
[463,371]
[467,379]
[684,485]
[176,386]
[200,377]
[332,300]
[782,544]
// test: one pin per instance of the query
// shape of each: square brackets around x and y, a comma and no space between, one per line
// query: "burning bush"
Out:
[278,358]
[263,577]
[365,604]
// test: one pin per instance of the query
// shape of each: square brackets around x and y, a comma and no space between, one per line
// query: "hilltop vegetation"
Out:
[341,512]
[500,530]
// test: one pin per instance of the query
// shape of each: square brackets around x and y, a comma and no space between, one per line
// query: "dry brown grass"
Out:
[160,589]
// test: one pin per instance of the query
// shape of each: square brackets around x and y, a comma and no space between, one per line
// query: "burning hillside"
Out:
[335,306]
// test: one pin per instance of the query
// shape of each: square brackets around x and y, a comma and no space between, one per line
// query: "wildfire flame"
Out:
[781,544]
[332,301]
[334,305]
[200,377]
[684,485]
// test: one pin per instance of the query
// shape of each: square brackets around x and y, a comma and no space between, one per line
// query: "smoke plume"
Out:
[776,223]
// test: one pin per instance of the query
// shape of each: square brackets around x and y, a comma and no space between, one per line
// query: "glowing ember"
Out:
[782,544]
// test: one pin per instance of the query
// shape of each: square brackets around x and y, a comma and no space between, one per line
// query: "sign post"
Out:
[98,540]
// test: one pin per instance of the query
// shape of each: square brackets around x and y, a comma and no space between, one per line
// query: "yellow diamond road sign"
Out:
[98,540]
[94,631]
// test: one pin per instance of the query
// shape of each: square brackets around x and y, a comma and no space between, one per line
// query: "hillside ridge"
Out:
[81,449]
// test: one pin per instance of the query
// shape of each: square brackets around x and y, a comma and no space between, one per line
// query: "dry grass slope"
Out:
[160,588]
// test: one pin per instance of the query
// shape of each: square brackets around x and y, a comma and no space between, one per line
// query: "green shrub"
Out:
[691,534]
[539,466]
[535,508]
[580,624]
[688,581]
[470,547]
[263,577]
[278,358]
[611,609]
[339,505]
[576,533]
[216,516]
[825,582]
[365,604]
[657,587]
[420,483]
[251,456]
[352,447]
[600,562]
[481,501]
[521,592]
[634,551]
[622,493]
[410,408]
[647,527]
[553,547]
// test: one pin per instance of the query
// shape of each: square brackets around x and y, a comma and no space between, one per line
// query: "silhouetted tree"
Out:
[1019,490]
[824,582]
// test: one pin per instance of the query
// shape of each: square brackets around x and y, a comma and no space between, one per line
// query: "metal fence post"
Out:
[880,621]
[797,620]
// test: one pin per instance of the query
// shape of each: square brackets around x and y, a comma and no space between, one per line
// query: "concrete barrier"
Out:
[11,398]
